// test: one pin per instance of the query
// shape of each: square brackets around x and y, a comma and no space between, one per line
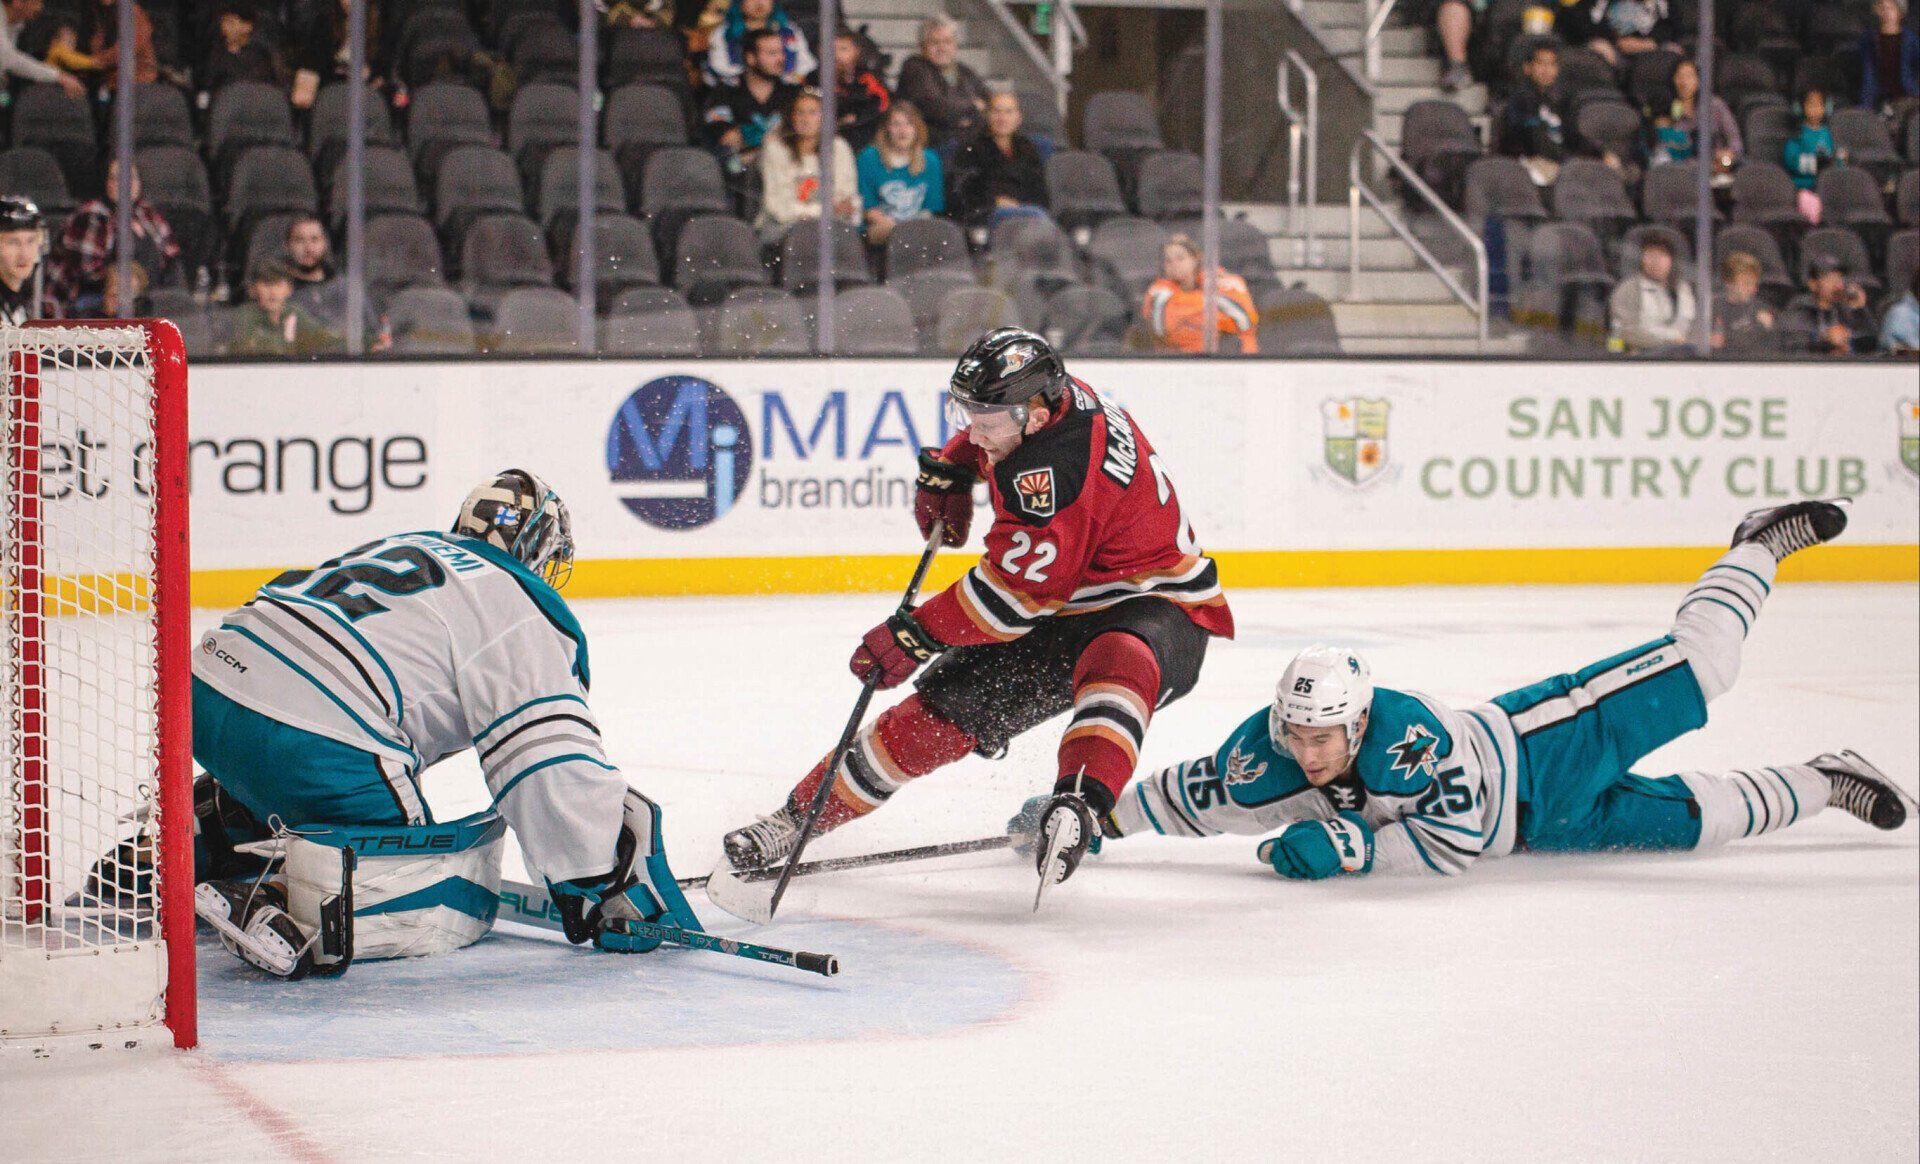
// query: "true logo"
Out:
[1356,438]
[1034,490]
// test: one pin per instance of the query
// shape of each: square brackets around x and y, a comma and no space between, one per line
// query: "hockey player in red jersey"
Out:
[1093,595]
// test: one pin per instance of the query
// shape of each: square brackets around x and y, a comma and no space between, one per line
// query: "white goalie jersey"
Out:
[421,645]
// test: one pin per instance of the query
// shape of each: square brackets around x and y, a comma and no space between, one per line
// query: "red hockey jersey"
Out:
[1084,517]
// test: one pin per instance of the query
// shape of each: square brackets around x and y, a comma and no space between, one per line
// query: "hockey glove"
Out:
[1024,828]
[945,491]
[894,650]
[640,887]
[1310,850]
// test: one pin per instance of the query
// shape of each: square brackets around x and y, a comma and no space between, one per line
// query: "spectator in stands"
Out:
[1889,59]
[1533,125]
[738,117]
[1175,306]
[272,324]
[15,14]
[790,172]
[999,172]
[640,14]
[727,55]
[950,95]
[860,97]
[241,54]
[1742,323]
[1630,27]
[23,237]
[1651,311]
[1832,317]
[1810,148]
[1453,22]
[318,55]
[318,287]
[1900,330]
[99,36]
[1676,132]
[900,178]
[89,244]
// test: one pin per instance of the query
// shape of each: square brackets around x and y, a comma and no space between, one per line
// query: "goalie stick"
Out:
[531,905]
[726,888]
[865,860]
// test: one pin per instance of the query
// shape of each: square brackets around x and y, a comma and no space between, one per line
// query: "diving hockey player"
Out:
[318,705]
[1093,594]
[1360,779]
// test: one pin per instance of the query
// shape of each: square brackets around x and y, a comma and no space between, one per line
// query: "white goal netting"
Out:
[81,882]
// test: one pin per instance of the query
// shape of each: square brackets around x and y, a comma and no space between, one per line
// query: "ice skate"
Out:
[1862,790]
[765,842]
[1787,529]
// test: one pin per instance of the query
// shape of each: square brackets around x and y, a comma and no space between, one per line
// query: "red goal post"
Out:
[96,812]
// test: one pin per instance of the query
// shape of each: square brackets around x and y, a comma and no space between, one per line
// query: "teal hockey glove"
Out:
[640,887]
[1310,850]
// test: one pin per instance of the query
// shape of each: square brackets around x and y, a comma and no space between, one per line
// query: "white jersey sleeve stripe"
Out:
[376,736]
[528,705]
[510,785]
[339,620]
[269,626]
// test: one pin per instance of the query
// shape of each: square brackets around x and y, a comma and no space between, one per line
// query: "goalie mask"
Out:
[519,513]
[1323,687]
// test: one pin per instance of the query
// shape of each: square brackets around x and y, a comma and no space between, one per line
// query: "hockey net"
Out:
[96,921]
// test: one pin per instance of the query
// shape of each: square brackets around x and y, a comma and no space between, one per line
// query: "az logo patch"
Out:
[1034,489]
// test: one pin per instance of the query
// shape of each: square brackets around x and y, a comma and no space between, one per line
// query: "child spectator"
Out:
[240,55]
[999,172]
[1533,124]
[951,96]
[1900,330]
[1630,27]
[1811,147]
[859,95]
[790,172]
[1742,324]
[1676,133]
[23,237]
[1651,311]
[1889,59]
[87,246]
[900,178]
[738,117]
[272,324]
[726,55]
[15,14]
[1831,318]
[1175,306]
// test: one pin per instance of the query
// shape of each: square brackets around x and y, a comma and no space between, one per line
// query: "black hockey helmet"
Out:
[517,512]
[1005,369]
[17,213]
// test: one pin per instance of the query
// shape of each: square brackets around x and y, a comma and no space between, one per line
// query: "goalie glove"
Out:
[640,887]
[1311,850]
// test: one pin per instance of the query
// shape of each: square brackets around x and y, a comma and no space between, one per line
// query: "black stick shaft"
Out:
[868,860]
[867,689]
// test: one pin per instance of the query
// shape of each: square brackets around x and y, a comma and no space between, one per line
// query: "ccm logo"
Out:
[207,647]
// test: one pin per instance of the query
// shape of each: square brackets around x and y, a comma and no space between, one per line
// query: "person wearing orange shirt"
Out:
[1175,306]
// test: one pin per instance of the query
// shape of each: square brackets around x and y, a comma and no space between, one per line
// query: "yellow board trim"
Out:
[1247,569]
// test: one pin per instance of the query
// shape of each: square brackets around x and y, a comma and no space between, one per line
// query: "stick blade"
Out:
[747,900]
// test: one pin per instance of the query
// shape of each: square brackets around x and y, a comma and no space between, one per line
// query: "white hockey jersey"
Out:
[421,645]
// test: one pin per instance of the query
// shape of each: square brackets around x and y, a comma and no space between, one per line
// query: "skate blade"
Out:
[1047,880]
[728,888]
[1865,765]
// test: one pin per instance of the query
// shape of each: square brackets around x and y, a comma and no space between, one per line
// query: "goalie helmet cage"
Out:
[96,802]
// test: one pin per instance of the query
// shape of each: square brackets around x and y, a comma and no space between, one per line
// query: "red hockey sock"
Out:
[907,741]
[1114,688]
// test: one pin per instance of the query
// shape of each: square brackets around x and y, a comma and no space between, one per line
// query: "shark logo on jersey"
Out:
[1243,769]
[1910,435]
[1356,438]
[1416,752]
[1034,488]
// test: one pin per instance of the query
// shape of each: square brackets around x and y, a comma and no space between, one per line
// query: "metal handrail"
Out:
[1068,33]
[1377,13]
[1301,124]
[1356,190]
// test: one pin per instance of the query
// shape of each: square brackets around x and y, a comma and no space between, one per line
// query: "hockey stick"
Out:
[725,887]
[866,860]
[530,905]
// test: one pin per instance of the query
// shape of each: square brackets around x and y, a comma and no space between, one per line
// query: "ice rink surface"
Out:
[1175,1000]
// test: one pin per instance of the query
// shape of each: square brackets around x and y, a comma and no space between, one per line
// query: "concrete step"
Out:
[1400,98]
[1420,70]
[1325,14]
[889,31]
[1328,218]
[1436,320]
[1394,42]
[1376,254]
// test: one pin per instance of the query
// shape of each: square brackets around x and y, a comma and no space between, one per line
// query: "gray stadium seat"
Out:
[716,254]
[435,43]
[160,116]
[387,186]
[175,181]
[441,116]
[1566,254]
[640,119]
[1040,117]
[1612,126]
[873,321]
[542,320]
[1667,195]
[1765,129]
[547,52]
[32,172]
[1590,192]
[800,257]
[1438,140]
[1168,185]
[1082,189]
[1861,135]
[1842,244]
[1120,120]
[1906,198]
[924,291]
[327,132]
[1500,187]
[653,55]
[1850,196]
[1582,69]
[1125,255]
[680,183]
[1764,196]
[651,321]
[247,113]
[1296,322]
[560,186]
[401,251]
[430,321]
[266,238]
[966,313]
[269,179]
[44,116]
[1903,257]
[758,321]
[925,244]
[1030,246]
[544,117]
[1086,321]
[623,256]
[500,252]
[474,181]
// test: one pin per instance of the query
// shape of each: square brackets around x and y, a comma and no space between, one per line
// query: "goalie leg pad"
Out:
[417,890]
